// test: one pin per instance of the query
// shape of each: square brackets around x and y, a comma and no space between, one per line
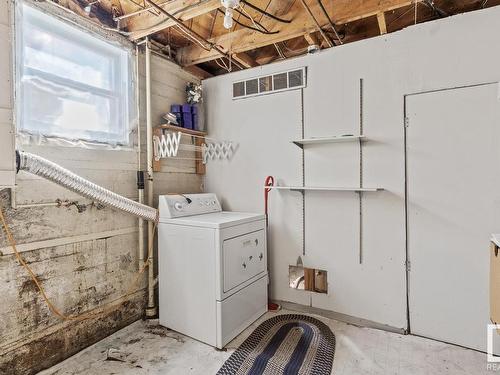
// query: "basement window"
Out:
[71,84]
[283,81]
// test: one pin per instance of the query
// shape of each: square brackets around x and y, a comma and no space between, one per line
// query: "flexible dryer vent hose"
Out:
[61,176]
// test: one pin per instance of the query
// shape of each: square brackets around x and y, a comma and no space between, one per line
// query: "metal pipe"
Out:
[318,26]
[141,233]
[140,176]
[151,309]
[193,34]
[13,201]
[57,203]
[32,205]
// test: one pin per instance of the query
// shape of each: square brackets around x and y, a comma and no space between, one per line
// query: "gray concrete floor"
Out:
[146,348]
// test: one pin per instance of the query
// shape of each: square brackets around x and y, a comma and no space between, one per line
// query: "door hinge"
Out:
[408,266]
[407,121]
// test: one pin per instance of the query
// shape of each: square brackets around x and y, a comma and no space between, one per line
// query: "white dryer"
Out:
[212,268]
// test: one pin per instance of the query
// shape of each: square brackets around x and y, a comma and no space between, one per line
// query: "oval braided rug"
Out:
[285,344]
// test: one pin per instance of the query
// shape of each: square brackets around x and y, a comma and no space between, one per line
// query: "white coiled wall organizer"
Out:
[167,143]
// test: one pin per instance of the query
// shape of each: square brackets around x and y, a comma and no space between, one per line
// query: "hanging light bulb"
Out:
[228,17]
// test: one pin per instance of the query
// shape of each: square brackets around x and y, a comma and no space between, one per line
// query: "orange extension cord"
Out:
[51,306]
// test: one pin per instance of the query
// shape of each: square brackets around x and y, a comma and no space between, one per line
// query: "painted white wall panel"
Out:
[453,207]
[440,54]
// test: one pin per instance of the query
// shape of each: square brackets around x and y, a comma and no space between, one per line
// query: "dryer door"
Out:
[244,257]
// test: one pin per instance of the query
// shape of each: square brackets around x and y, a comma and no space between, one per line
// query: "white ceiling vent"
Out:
[269,84]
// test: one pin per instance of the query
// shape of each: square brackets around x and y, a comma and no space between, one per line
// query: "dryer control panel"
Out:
[180,205]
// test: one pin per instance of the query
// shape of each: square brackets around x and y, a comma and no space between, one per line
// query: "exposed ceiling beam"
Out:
[146,23]
[245,60]
[381,23]
[312,39]
[198,72]
[243,40]
[318,26]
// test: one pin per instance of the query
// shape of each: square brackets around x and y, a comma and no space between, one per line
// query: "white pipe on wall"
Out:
[151,309]
[139,164]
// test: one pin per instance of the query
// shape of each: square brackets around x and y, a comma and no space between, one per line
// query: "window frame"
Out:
[120,94]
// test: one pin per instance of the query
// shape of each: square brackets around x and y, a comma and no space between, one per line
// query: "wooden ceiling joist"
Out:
[245,60]
[243,40]
[198,72]
[312,39]
[146,23]
[381,23]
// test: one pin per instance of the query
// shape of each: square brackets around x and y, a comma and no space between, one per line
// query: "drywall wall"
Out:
[6,140]
[85,260]
[451,52]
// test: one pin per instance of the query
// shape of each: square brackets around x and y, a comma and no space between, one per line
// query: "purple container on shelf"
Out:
[176,108]
[179,118]
[195,121]
[186,108]
[187,119]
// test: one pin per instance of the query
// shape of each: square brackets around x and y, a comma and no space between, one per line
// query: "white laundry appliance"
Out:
[212,268]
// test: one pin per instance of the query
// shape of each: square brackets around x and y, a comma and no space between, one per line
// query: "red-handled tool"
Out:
[268,184]
[271,306]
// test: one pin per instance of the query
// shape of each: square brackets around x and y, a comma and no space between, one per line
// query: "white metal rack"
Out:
[333,139]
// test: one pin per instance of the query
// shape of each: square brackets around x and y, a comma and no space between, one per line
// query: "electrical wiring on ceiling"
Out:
[264,31]
[264,13]
[245,14]
[330,22]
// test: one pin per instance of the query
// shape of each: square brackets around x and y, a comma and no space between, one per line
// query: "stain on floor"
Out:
[147,348]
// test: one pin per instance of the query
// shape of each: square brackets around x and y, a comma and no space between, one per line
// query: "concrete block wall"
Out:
[86,261]
[6,140]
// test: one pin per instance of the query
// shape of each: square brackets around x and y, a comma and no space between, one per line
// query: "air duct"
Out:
[51,171]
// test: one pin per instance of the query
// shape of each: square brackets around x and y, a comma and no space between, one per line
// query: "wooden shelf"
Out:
[332,139]
[326,188]
[182,130]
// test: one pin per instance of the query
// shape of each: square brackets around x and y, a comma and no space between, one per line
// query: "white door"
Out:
[453,180]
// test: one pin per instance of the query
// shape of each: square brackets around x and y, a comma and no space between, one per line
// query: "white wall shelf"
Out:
[326,188]
[333,139]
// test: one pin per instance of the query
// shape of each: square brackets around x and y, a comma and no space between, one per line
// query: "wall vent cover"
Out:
[269,84]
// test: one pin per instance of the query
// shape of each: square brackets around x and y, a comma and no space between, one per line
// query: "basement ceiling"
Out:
[264,31]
